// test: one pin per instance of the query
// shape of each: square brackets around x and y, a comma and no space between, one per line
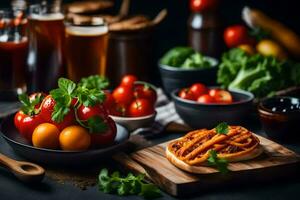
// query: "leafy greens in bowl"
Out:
[186,58]
[261,75]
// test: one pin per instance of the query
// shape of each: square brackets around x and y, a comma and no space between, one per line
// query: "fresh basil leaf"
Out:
[222,128]
[59,112]
[28,105]
[66,85]
[96,125]
[94,82]
[90,97]
[215,161]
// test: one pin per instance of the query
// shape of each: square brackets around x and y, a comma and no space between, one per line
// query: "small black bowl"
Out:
[174,77]
[199,115]
[280,118]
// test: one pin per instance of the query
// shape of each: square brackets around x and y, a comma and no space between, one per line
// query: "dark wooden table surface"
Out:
[11,188]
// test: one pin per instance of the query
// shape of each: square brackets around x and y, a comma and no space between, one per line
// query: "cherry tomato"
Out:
[198,89]
[186,94]
[128,80]
[106,138]
[202,5]
[206,99]
[140,107]
[123,95]
[46,135]
[109,100]
[85,112]
[220,96]
[19,116]
[27,124]
[119,110]
[237,35]
[47,108]
[99,139]
[144,91]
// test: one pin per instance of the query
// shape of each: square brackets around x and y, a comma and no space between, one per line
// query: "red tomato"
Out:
[237,35]
[47,108]
[26,124]
[119,110]
[109,100]
[85,113]
[140,107]
[186,94]
[198,89]
[202,5]
[19,116]
[106,138]
[128,80]
[220,96]
[123,95]
[99,139]
[144,91]
[206,99]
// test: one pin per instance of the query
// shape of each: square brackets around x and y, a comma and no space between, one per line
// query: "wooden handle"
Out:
[25,171]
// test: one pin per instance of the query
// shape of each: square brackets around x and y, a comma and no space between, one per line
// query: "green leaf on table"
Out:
[222,128]
[220,163]
[128,185]
[104,181]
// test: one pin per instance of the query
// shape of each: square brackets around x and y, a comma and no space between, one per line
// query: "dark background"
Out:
[173,30]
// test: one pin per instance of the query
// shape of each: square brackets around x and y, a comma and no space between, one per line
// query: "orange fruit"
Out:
[46,135]
[74,138]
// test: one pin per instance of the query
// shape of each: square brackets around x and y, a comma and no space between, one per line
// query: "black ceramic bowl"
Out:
[174,77]
[280,118]
[59,157]
[199,115]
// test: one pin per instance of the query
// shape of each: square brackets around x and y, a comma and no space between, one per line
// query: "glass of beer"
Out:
[86,46]
[46,45]
[13,55]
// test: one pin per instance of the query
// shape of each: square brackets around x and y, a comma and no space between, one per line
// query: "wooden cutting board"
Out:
[276,162]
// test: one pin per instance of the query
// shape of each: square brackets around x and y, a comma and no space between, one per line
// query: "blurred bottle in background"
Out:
[204,27]
[46,45]
[13,54]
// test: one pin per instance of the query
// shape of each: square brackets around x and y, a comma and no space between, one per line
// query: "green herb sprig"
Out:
[222,128]
[129,185]
[94,82]
[215,161]
[68,90]
[29,105]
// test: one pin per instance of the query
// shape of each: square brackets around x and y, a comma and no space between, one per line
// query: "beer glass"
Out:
[46,45]
[86,46]
[13,55]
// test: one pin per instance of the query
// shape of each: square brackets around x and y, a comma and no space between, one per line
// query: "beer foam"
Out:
[86,30]
[47,17]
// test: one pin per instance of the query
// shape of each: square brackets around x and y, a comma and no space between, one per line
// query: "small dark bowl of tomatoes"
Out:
[177,77]
[132,103]
[200,106]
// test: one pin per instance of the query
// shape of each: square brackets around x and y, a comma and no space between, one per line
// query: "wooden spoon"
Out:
[25,171]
